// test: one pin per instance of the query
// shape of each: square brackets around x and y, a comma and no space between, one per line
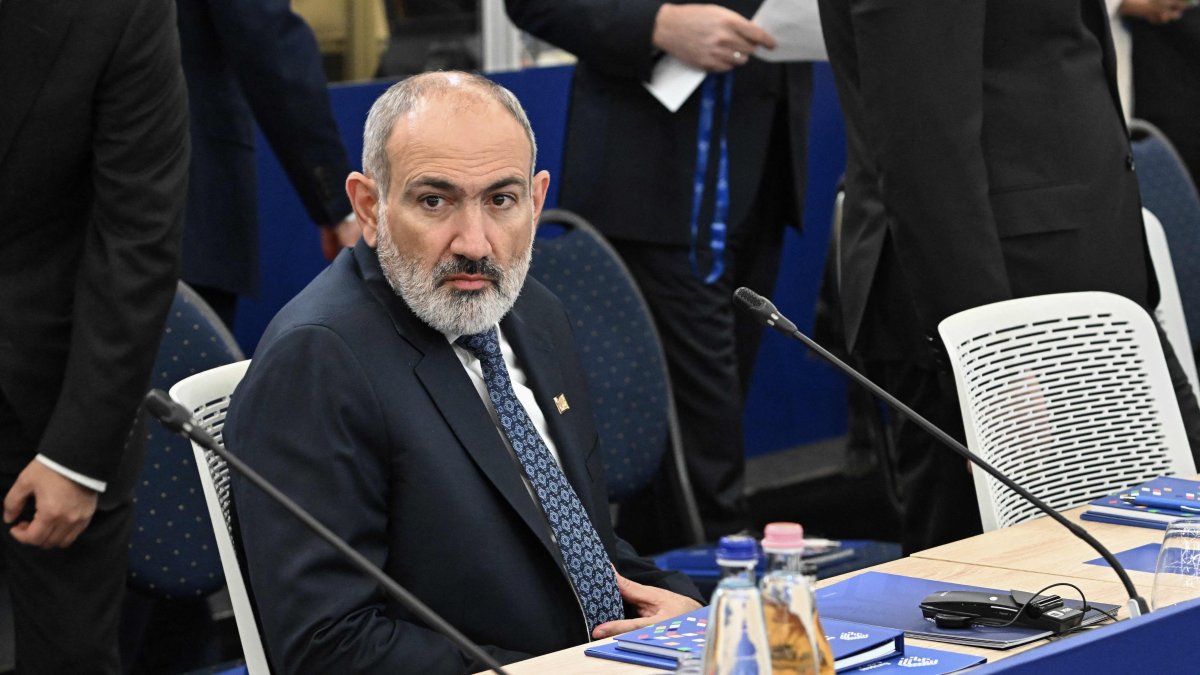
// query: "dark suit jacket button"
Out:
[1129,162]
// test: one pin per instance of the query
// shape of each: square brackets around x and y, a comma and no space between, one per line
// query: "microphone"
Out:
[178,419]
[766,313]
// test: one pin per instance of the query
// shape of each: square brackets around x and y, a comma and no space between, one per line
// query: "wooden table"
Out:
[1026,557]
[1042,545]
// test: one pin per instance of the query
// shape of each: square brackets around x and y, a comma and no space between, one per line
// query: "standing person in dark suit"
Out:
[1166,81]
[426,401]
[247,62]
[631,168]
[93,171]
[987,159]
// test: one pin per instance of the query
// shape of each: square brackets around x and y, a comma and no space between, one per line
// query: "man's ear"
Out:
[538,188]
[365,200]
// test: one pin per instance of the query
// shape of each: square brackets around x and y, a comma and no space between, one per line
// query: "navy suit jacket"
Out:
[365,416]
[247,62]
[987,160]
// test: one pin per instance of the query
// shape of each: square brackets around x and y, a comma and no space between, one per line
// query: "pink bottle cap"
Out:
[783,538]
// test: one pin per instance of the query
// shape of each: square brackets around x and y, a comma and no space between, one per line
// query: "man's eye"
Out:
[432,201]
[502,200]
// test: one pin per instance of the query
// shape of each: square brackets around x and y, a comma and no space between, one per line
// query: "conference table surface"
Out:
[1027,556]
[1042,544]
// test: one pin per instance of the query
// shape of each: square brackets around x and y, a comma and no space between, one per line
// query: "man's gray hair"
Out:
[406,95]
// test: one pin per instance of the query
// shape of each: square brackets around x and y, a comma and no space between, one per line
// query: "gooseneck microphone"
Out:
[178,419]
[766,313]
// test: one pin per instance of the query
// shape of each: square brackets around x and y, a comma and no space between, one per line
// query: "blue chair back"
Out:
[172,553]
[1169,193]
[620,347]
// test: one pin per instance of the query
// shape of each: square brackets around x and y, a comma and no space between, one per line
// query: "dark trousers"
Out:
[1168,82]
[710,350]
[67,602]
[711,347]
[934,484]
[223,302]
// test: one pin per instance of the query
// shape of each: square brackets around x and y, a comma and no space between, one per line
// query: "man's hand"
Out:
[710,37]
[1153,11]
[340,235]
[64,507]
[653,604]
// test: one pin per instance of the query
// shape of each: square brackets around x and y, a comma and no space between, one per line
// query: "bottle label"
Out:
[788,609]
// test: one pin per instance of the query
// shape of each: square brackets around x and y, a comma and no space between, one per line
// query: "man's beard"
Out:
[449,310]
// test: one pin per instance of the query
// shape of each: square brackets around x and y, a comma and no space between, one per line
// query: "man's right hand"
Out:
[64,507]
[709,37]
[1154,11]
[343,234]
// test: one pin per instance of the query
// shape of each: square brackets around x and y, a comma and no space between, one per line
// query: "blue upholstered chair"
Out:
[172,554]
[1169,192]
[174,567]
[627,372]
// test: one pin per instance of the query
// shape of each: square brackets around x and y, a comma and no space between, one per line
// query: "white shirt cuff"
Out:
[97,485]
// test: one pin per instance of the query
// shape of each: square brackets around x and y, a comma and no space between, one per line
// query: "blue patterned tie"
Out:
[587,562]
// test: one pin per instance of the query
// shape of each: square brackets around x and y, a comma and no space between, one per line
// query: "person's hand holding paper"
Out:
[708,37]
[701,39]
[696,40]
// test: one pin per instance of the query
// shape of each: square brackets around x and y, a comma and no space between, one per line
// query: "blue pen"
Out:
[1160,502]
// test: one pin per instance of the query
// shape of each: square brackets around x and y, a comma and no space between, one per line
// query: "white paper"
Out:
[672,81]
[796,27]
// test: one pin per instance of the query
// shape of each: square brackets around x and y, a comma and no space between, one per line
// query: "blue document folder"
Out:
[920,661]
[891,601]
[855,644]
[1144,558]
[1118,520]
[609,651]
[852,644]
[675,638]
[1154,503]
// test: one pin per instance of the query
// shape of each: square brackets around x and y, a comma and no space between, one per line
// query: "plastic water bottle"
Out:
[736,642]
[797,641]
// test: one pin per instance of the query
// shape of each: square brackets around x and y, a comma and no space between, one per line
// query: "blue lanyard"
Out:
[717,232]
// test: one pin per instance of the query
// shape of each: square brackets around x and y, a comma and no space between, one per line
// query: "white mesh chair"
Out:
[1068,395]
[207,395]
[1169,312]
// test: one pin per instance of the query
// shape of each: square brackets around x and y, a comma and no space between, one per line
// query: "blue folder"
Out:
[891,601]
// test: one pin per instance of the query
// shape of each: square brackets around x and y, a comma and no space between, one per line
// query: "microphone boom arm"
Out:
[178,419]
[766,312]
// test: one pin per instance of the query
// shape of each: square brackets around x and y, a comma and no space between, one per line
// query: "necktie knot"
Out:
[485,346]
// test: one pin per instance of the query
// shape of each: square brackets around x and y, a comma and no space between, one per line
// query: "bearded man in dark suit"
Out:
[369,404]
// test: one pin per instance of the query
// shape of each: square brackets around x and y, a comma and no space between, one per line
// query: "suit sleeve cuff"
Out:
[92,483]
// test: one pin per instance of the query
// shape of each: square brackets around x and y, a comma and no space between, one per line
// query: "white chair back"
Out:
[207,395]
[1068,395]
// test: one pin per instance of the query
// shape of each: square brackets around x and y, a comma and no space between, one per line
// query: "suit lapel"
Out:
[442,375]
[450,388]
[30,34]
